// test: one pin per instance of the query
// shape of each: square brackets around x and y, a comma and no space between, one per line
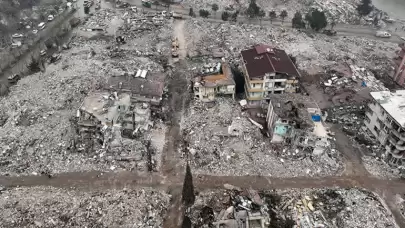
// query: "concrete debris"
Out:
[314,51]
[225,142]
[39,125]
[290,208]
[53,207]
[380,169]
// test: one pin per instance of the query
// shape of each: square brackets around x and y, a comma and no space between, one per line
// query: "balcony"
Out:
[401,136]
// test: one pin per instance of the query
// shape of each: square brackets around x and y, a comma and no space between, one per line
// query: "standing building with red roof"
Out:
[268,70]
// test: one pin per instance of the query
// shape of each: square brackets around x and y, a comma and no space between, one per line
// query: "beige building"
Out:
[217,81]
[267,70]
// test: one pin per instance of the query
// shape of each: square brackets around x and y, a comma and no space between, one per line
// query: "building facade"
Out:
[267,70]
[399,60]
[216,82]
[385,119]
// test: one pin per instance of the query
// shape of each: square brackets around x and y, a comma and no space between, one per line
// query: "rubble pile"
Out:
[37,126]
[303,208]
[350,117]
[52,207]
[311,50]
[380,169]
[229,208]
[221,140]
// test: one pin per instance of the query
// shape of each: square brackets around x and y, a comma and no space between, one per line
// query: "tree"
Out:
[272,15]
[156,3]
[204,13]
[188,196]
[215,8]
[283,15]
[234,16]
[225,15]
[261,14]
[316,19]
[364,8]
[56,8]
[298,21]
[332,24]
[253,9]
[191,12]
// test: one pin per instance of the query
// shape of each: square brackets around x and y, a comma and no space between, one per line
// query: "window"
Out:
[376,130]
[367,119]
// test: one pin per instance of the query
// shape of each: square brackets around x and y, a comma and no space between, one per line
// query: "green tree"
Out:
[204,13]
[316,19]
[215,8]
[225,15]
[283,15]
[191,12]
[364,8]
[188,196]
[253,9]
[298,21]
[261,15]
[56,8]
[272,15]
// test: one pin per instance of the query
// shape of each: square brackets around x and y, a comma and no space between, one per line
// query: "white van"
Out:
[41,25]
[383,34]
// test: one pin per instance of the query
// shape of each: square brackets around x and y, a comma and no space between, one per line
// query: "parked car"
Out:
[134,9]
[50,18]
[43,52]
[54,58]
[34,31]
[16,44]
[17,35]
[12,79]
[329,32]
[383,34]
[41,25]
[402,38]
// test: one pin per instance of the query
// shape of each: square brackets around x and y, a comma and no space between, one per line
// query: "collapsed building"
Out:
[399,61]
[214,80]
[124,109]
[385,120]
[296,120]
[267,70]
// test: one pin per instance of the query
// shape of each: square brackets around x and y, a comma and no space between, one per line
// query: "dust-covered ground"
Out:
[215,151]
[53,207]
[313,51]
[342,208]
[36,131]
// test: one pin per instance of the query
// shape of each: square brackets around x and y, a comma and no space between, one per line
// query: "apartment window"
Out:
[376,130]
[381,124]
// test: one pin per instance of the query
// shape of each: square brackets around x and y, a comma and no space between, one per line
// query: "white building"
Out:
[385,118]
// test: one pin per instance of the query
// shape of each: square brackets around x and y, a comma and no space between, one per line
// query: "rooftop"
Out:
[151,86]
[262,59]
[393,103]
[105,107]
[221,78]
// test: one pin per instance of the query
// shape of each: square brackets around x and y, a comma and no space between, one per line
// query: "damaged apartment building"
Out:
[385,119]
[296,120]
[214,80]
[267,70]
[125,108]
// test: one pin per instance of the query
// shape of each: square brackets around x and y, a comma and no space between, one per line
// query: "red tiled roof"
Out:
[262,59]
